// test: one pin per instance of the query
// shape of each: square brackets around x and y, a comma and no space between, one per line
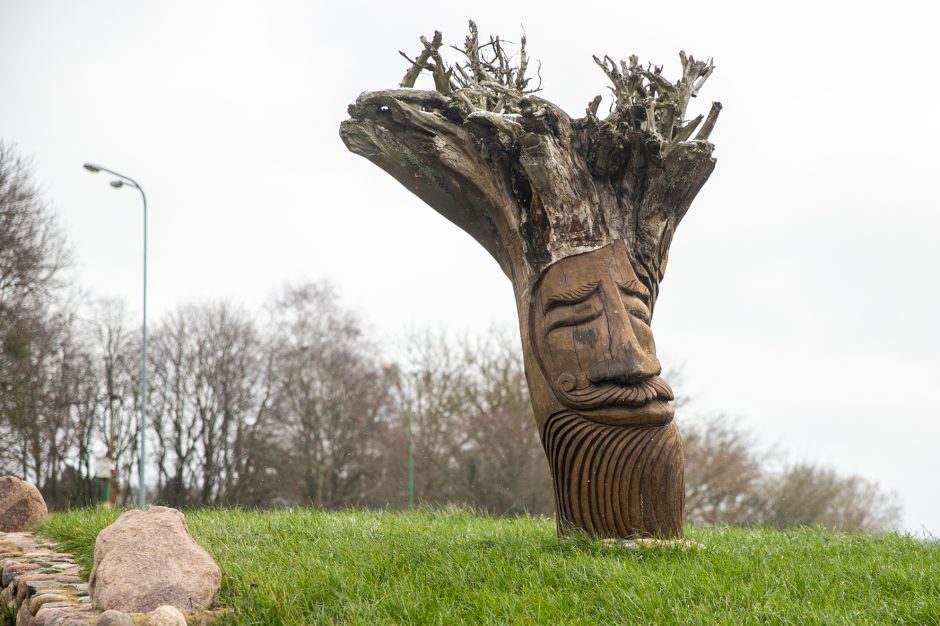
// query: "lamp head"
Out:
[117,184]
[94,169]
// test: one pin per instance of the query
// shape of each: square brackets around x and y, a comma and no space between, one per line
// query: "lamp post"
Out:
[413,411]
[121,181]
[411,468]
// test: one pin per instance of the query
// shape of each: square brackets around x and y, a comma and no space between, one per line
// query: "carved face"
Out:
[590,325]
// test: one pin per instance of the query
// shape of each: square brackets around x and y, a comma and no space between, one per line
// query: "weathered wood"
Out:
[421,63]
[579,214]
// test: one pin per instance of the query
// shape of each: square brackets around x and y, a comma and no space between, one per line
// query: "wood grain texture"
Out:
[615,481]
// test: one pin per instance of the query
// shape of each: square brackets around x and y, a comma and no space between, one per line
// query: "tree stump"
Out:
[579,214]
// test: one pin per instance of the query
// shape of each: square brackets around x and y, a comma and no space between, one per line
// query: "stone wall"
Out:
[44,587]
[39,583]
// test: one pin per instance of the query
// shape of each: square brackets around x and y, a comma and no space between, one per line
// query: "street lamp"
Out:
[121,181]
[413,411]
[411,466]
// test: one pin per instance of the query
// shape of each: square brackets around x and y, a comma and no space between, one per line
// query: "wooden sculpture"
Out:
[579,214]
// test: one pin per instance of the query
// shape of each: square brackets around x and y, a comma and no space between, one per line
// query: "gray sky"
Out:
[801,295]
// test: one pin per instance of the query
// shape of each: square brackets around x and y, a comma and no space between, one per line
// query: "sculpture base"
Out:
[615,481]
[651,543]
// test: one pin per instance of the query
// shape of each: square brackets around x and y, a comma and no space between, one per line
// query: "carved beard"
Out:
[615,481]
[611,394]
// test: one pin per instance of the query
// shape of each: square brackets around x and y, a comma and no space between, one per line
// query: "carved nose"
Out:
[625,368]
[627,361]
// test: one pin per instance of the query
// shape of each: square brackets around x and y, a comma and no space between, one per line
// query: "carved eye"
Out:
[636,297]
[641,313]
[577,317]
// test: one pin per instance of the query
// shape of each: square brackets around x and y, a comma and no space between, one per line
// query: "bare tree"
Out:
[804,495]
[50,402]
[209,389]
[32,248]
[432,397]
[731,480]
[173,421]
[224,350]
[115,352]
[504,466]
[332,392]
[724,473]
[45,407]
[32,253]
[471,420]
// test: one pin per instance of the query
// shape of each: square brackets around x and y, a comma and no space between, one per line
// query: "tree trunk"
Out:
[579,214]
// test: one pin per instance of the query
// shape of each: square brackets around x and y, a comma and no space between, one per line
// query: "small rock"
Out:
[115,618]
[21,505]
[62,603]
[63,617]
[22,589]
[13,570]
[637,543]
[46,615]
[22,618]
[166,616]
[6,599]
[74,619]
[64,567]
[47,598]
[145,560]
[681,544]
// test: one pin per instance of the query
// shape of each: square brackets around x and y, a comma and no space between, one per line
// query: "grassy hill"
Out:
[305,566]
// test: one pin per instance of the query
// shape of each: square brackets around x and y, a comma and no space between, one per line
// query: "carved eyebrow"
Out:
[574,296]
[636,289]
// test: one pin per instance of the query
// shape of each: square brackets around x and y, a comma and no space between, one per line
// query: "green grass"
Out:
[305,566]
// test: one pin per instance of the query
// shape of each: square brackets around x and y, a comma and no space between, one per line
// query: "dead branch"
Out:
[709,122]
[421,63]
[488,74]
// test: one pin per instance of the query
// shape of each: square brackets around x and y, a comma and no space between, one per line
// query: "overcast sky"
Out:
[801,296]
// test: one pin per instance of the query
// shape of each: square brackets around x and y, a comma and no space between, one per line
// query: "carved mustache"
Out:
[611,394]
